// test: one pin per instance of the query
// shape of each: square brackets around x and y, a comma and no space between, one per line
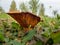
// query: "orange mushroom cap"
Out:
[25,19]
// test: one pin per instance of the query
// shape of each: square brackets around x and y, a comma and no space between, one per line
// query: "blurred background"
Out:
[48,31]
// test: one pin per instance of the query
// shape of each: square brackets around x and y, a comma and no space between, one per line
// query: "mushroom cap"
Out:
[25,19]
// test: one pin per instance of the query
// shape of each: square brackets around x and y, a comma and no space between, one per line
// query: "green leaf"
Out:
[14,42]
[56,37]
[1,37]
[6,40]
[29,36]
[1,44]
[39,42]
[15,25]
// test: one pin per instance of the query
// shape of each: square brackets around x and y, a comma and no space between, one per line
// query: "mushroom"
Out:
[25,19]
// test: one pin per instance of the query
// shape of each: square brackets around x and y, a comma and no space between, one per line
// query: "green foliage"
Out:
[56,37]
[58,17]
[13,6]
[39,42]
[49,25]
[6,40]
[15,26]
[14,42]
[4,16]
[33,5]
[1,10]
[29,36]
[1,37]
[23,7]
[5,24]
[42,10]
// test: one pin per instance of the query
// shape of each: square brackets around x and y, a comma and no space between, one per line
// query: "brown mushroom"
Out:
[25,19]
